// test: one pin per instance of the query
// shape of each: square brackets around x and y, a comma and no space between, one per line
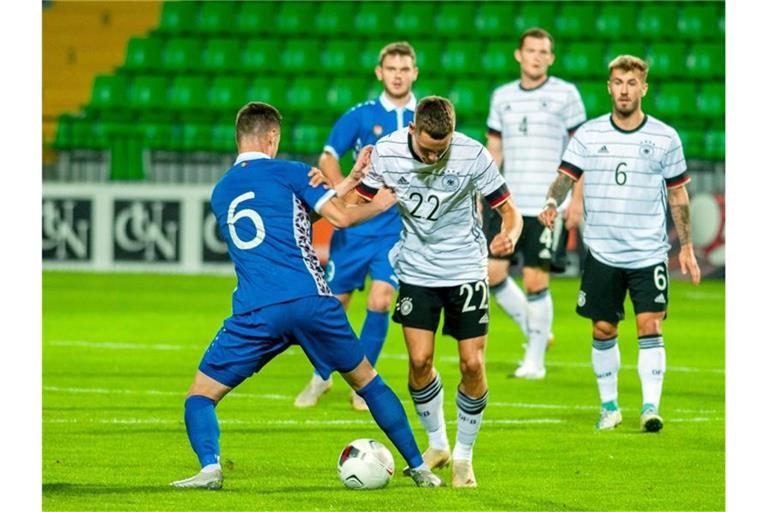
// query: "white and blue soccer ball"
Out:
[365,464]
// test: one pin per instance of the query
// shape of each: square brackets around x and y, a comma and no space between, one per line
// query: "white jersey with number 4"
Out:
[534,125]
[442,243]
[626,177]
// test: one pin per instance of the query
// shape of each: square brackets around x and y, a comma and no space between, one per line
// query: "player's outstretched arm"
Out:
[555,196]
[681,215]
[503,243]
[344,215]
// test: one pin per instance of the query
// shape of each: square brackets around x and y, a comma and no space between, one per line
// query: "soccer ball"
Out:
[365,464]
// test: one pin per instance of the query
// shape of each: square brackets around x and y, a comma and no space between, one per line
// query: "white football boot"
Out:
[203,480]
[316,388]
[608,419]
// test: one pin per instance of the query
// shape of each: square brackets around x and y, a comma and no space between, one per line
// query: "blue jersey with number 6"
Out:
[262,208]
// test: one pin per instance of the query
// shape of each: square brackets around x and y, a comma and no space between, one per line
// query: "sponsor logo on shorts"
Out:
[483,319]
[405,306]
[660,299]
[582,299]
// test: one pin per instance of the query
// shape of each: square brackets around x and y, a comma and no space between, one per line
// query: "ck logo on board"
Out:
[214,246]
[67,229]
[146,231]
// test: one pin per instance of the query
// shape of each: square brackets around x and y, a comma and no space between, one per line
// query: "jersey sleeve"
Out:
[315,197]
[575,157]
[374,180]
[673,163]
[575,113]
[343,134]
[488,181]
[494,116]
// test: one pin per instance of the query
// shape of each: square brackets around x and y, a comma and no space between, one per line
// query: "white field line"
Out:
[235,394]
[116,345]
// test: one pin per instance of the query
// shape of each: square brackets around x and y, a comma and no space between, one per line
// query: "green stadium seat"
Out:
[706,60]
[535,14]
[148,93]
[342,56]
[335,18]
[193,136]
[461,57]
[186,96]
[657,21]
[576,20]
[255,17]
[109,92]
[309,137]
[269,90]
[223,137]
[616,20]
[144,54]
[227,94]
[306,95]
[698,21]
[714,144]
[300,56]
[343,93]
[721,21]
[374,18]
[595,96]
[216,17]
[156,135]
[415,18]
[178,17]
[181,54]
[295,18]
[693,143]
[221,55]
[259,55]
[455,19]
[498,59]
[711,100]
[429,55]
[492,19]
[90,133]
[475,131]
[581,60]
[64,133]
[369,56]
[666,60]
[471,99]
[675,100]
[429,87]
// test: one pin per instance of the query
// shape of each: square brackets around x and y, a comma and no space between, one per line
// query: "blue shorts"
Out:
[247,342]
[353,257]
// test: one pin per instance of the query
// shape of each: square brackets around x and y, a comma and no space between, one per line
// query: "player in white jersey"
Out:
[440,262]
[529,123]
[633,168]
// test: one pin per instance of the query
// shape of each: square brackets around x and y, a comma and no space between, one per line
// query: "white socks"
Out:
[606,361]
[469,413]
[540,313]
[429,407]
[651,365]
[512,300]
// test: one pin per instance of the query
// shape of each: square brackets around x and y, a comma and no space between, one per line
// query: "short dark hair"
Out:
[537,33]
[436,116]
[256,118]
[399,48]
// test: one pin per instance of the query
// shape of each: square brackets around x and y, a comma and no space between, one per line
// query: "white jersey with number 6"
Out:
[626,177]
[442,243]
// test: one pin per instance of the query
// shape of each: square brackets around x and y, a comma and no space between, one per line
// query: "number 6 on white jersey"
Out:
[246,213]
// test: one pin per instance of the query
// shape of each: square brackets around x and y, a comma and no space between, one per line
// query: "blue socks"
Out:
[202,428]
[374,333]
[389,414]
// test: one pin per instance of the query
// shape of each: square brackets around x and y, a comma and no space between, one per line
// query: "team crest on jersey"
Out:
[378,130]
[450,182]
[646,149]
[544,104]
[582,298]
[405,305]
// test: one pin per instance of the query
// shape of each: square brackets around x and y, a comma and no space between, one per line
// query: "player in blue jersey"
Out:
[263,208]
[361,250]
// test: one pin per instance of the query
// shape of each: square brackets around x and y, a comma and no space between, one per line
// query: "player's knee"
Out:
[421,365]
[496,274]
[649,325]
[472,367]
[603,330]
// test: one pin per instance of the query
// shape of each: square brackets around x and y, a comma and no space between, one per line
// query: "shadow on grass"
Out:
[69,489]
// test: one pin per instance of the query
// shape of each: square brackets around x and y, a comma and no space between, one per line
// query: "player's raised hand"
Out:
[547,216]
[317,178]
[384,198]
[688,263]
[502,245]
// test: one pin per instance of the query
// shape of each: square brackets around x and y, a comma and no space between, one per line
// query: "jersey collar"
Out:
[250,155]
[622,130]
[542,84]
[389,106]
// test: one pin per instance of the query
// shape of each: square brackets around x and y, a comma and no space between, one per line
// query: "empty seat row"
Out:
[606,20]
[313,56]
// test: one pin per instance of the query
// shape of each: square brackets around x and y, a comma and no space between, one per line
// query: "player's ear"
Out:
[411,128]
[518,55]
[551,58]
[379,74]
[415,73]
[645,89]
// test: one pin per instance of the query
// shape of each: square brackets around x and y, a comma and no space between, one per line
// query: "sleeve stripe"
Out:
[332,151]
[324,199]
[497,197]
[494,131]
[366,191]
[677,181]
[570,170]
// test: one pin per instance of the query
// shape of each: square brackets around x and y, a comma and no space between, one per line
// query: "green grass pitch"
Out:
[119,352]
